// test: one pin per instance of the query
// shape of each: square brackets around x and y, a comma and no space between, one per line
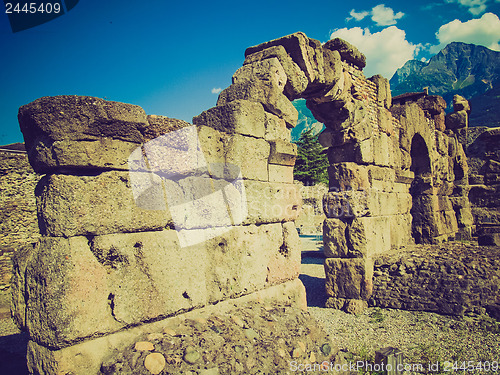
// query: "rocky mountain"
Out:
[459,68]
[305,121]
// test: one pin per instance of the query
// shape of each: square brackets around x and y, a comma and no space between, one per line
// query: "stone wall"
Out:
[483,153]
[311,217]
[145,217]
[456,280]
[18,222]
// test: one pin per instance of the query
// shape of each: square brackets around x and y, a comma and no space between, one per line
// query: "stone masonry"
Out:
[144,217]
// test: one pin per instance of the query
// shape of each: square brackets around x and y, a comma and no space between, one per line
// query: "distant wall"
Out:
[18,221]
[453,280]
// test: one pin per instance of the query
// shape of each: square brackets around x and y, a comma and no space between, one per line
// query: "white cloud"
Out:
[358,16]
[385,51]
[216,90]
[484,31]
[385,16]
[476,7]
[380,14]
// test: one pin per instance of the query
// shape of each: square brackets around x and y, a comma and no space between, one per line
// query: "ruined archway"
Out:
[419,189]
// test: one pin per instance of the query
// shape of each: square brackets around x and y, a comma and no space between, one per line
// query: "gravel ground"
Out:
[424,338]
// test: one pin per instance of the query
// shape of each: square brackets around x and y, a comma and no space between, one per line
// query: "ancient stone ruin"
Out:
[143,217]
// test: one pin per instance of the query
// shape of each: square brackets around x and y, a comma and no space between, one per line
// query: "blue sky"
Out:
[172,58]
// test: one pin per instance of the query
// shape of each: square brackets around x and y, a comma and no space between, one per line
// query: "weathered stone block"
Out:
[384,97]
[66,132]
[212,143]
[296,79]
[282,152]
[385,121]
[346,204]
[269,70]
[368,236]
[270,202]
[285,264]
[238,260]
[276,128]
[400,228]
[262,82]
[104,153]
[348,278]
[71,117]
[280,173]
[457,120]
[382,150]
[90,205]
[306,53]
[335,239]
[86,357]
[250,154]
[240,116]
[347,51]
[348,176]
[381,178]
[432,104]
[78,287]
[67,293]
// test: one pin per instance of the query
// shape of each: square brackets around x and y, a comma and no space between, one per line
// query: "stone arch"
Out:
[420,160]
[420,187]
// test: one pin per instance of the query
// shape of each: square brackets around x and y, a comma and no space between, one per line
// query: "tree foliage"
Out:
[311,165]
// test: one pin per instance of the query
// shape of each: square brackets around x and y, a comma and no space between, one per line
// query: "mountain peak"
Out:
[459,68]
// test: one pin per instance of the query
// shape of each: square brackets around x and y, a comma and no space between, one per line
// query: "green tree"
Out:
[311,165]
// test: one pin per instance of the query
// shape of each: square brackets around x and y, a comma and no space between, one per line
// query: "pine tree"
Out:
[311,164]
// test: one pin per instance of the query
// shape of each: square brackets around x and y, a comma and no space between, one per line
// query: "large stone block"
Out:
[270,202]
[280,173]
[296,79]
[400,227]
[282,152]
[347,51]
[384,97]
[349,278]
[346,204]
[250,154]
[67,155]
[67,293]
[368,236]
[335,239]
[348,176]
[66,132]
[457,120]
[71,117]
[285,263]
[86,357]
[276,128]
[306,53]
[90,205]
[270,71]
[81,287]
[239,259]
[360,203]
[262,82]
[240,116]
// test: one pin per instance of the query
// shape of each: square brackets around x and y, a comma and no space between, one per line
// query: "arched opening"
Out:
[419,189]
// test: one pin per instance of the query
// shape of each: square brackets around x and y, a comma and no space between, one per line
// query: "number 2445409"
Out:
[32,8]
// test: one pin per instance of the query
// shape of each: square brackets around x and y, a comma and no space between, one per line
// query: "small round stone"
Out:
[155,363]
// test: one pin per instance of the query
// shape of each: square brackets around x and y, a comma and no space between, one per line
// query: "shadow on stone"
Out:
[13,354]
[315,290]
